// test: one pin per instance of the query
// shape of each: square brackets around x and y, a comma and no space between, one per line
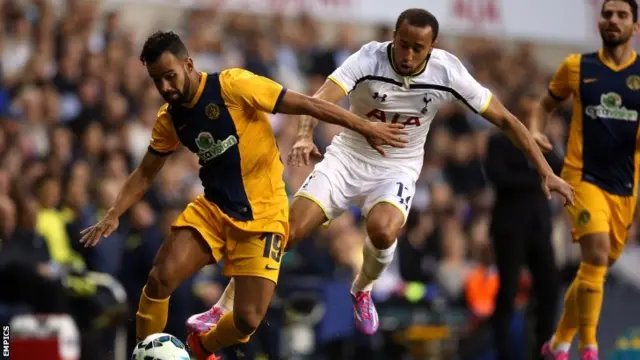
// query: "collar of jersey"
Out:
[393,63]
[612,65]
[196,97]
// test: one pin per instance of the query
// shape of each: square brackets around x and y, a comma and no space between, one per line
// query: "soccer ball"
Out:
[160,347]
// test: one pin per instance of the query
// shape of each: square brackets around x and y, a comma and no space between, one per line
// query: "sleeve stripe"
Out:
[558,98]
[486,104]
[279,100]
[337,82]
[159,153]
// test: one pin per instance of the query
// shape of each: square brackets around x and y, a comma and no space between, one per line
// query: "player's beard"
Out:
[186,87]
[612,40]
[178,97]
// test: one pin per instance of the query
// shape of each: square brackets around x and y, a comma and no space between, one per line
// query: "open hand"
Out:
[380,134]
[91,236]
[553,183]
[302,149]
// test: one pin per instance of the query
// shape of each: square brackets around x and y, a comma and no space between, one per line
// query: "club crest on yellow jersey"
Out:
[212,111]
[633,82]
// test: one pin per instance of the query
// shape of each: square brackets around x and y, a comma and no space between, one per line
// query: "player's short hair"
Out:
[419,18]
[160,42]
[633,4]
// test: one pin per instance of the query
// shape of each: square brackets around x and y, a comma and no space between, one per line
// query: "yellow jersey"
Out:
[603,136]
[226,125]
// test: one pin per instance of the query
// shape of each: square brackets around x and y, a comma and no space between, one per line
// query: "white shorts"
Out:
[340,181]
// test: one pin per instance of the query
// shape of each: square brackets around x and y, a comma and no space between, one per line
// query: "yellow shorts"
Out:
[597,211]
[246,251]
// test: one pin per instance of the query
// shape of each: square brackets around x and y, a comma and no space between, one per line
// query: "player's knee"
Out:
[596,249]
[160,283]
[247,318]
[382,233]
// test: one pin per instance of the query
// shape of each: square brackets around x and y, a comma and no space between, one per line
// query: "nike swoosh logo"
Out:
[586,81]
[181,127]
[267,267]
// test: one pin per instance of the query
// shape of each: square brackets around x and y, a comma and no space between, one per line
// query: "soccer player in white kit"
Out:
[404,81]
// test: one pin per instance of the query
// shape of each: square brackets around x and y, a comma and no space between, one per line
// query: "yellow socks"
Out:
[568,324]
[152,315]
[590,293]
[224,334]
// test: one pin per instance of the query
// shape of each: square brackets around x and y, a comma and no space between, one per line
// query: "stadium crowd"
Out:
[76,113]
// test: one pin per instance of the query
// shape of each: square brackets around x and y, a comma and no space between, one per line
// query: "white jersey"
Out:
[378,93]
[354,174]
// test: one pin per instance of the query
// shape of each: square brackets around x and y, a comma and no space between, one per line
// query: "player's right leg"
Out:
[183,253]
[591,217]
[310,208]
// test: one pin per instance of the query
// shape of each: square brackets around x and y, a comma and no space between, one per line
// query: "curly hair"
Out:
[160,42]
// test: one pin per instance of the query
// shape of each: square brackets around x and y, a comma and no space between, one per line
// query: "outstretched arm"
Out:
[164,141]
[497,114]
[479,99]
[132,191]
[137,183]
[243,88]
[377,133]
[329,91]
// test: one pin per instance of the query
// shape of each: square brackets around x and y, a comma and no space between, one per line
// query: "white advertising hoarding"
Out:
[551,21]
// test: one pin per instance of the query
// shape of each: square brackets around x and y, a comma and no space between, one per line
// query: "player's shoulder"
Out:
[375,46]
[373,50]
[443,67]
[233,81]
[163,111]
[164,114]
[573,60]
[235,74]
[445,58]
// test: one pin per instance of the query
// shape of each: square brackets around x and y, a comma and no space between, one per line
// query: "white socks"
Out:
[559,347]
[226,300]
[375,262]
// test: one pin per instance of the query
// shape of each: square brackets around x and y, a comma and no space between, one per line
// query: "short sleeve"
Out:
[164,139]
[243,88]
[354,68]
[466,88]
[560,87]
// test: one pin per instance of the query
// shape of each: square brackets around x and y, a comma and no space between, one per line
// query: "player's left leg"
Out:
[591,224]
[253,260]
[385,218]
[249,308]
[305,215]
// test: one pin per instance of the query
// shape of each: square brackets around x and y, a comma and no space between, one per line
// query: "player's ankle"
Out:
[560,347]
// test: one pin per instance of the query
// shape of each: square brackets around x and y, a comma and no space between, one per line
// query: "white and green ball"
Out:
[160,347]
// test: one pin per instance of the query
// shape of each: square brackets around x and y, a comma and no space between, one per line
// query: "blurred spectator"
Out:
[76,114]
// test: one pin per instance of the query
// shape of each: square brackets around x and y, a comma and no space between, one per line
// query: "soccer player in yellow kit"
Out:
[242,217]
[601,164]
